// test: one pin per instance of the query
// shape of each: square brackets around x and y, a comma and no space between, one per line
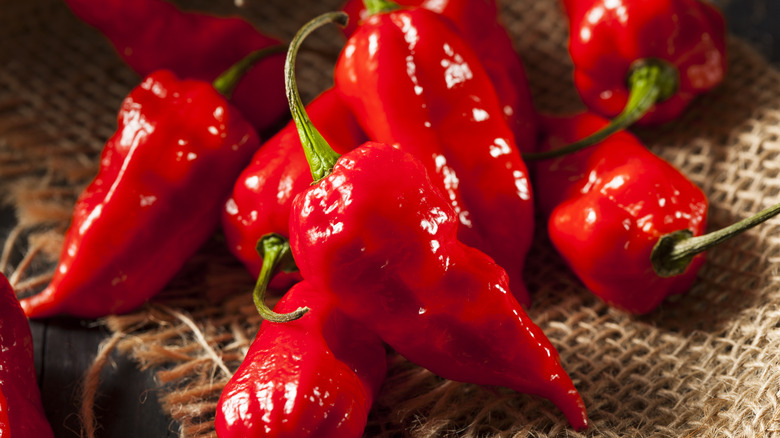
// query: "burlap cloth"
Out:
[703,364]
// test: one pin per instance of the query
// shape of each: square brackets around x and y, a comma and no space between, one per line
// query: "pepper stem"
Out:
[673,252]
[227,82]
[320,156]
[380,6]
[277,256]
[650,81]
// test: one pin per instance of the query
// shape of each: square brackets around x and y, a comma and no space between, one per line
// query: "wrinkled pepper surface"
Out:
[21,410]
[608,205]
[374,231]
[262,195]
[316,376]
[152,35]
[479,23]
[674,49]
[164,175]
[413,81]
[377,234]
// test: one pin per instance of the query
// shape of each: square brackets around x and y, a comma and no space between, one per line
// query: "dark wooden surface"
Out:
[127,401]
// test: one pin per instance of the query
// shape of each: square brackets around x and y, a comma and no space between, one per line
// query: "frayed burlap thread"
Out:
[706,363]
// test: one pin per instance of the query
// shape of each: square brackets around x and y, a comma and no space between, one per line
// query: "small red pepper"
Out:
[623,219]
[479,23]
[424,87]
[163,176]
[152,35]
[376,233]
[21,410]
[644,61]
[261,198]
[313,377]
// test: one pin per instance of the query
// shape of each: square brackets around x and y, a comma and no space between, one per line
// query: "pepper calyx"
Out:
[666,262]
[650,81]
[380,6]
[673,252]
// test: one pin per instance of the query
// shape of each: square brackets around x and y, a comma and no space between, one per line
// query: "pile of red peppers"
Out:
[397,208]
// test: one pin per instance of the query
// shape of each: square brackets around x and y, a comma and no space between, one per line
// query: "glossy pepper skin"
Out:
[21,410]
[152,35]
[607,38]
[316,376]
[479,23]
[262,195]
[608,205]
[163,178]
[423,86]
[379,236]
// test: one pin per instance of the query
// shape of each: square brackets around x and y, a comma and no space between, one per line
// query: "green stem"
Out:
[380,6]
[320,156]
[674,251]
[227,82]
[277,256]
[650,81]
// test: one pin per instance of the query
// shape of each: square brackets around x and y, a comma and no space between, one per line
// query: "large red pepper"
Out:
[313,377]
[374,231]
[152,35]
[479,23]
[622,218]
[643,61]
[163,177]
[261,198]
[422,85]
[21,410]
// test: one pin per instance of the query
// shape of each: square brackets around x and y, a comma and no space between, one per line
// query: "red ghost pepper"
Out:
[152,35]
[261,198]
[423,86]
[313,377]
[21,410]
[375,232]
[163,176]
[479,23]
[643,61]
[622,218]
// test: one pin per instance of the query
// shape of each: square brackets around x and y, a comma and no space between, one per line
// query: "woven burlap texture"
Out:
[704,364]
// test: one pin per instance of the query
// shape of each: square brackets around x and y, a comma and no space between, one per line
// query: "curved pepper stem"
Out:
[277,256]
[673,252]
[650,81]
[380,6]
[320,156]
[227,82]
